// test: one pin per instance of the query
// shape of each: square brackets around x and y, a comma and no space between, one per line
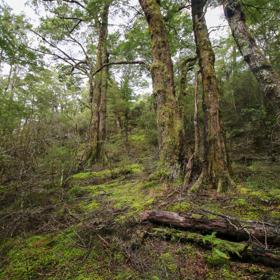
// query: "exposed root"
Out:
[222,184]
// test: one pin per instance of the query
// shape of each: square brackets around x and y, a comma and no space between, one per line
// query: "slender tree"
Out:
[216,167]
[268,79]
[168,117]
[193,167]
[98,92]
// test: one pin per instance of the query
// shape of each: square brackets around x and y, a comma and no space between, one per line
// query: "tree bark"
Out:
[193,167]
[268,79]
[98,93]
[227,227]
[216,167]
[195,118]
[186,66]
[168,118]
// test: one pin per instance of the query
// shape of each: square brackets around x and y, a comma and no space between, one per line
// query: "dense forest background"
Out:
[114,111]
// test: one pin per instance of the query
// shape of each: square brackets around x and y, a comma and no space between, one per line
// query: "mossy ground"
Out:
[105,240]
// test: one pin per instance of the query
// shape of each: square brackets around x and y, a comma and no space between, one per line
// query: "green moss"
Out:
[221,249]
[189,250]
[176,235]
[196,216]
[137,138]
[255,201]
[85,175]
[217,258]
[77,191]
[133,195]
[275,214]
[164,171]
[240,202]
[180,207]
[59,256]
[44,254]
[168,261]
[93,205]
[109,173]
[264,176]
[243,190]
[228,275]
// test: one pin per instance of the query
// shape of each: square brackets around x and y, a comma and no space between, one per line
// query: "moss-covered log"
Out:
[216,167]
[230,228]
[236,251]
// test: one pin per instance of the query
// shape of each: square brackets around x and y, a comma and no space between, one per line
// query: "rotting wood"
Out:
[260,233]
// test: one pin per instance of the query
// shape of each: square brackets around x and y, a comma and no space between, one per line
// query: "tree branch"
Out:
[54,46]
[69,1]
[120,63]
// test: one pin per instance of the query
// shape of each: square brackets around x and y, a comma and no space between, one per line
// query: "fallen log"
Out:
[260,233]
[242,252]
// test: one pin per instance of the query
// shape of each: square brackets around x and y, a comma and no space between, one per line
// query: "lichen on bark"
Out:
[260,66]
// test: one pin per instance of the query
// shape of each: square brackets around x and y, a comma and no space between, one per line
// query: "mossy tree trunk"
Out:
[216,167]
[168,116]
[187,65]
[98,93]
[268,79]
[193,167]
[196,119]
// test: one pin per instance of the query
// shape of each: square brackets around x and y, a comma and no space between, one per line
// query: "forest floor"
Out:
[101,236]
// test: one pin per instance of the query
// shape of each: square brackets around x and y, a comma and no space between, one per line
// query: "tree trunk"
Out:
[268,79]
[195,118]
[98,93]
[186,66]
[216,167]
[193,167]
[168,117]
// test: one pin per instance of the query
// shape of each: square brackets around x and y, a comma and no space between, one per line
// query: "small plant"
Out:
[221,250]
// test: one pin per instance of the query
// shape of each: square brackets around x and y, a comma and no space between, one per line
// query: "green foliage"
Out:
[221,250]
[217,258]
[13,39]
[167,260]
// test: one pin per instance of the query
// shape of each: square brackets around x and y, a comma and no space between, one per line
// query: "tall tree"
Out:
[168,118]
[268,79]
[98,91]
[68,19]
[216,167]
